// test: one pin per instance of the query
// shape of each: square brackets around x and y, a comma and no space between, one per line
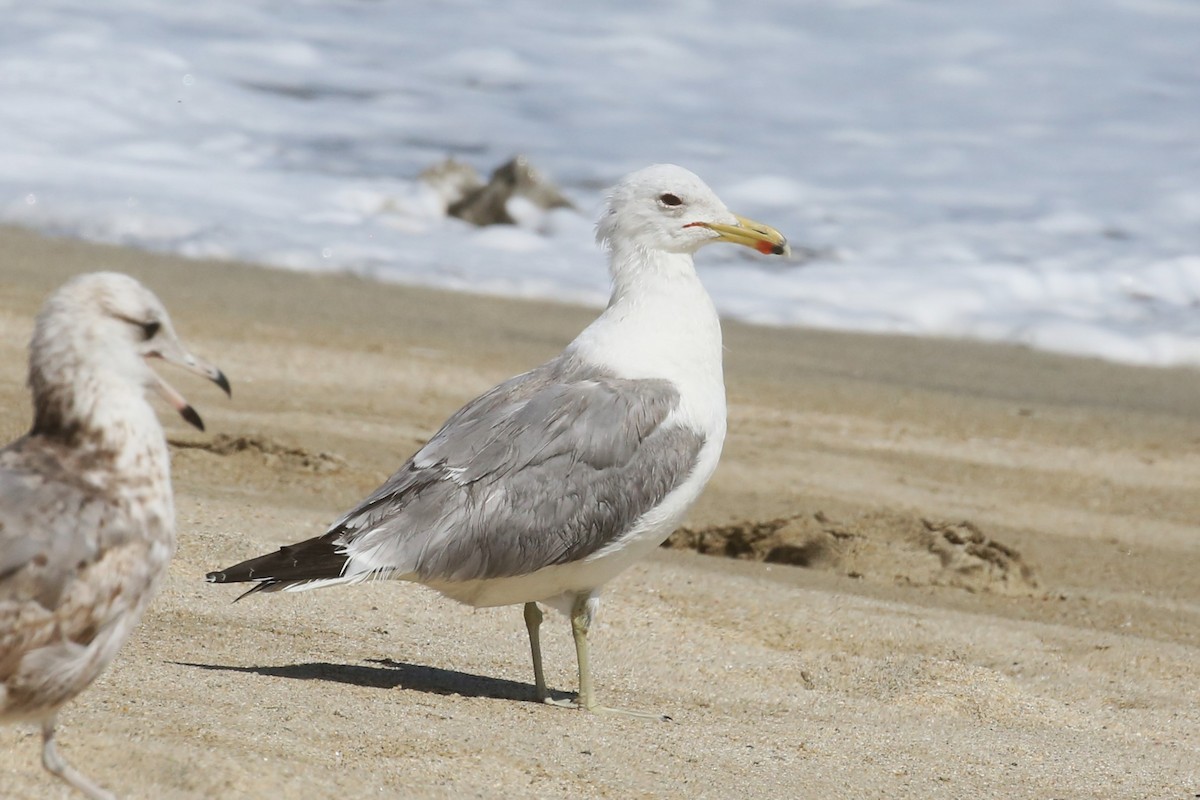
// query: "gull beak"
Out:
[748,233]
[173,352]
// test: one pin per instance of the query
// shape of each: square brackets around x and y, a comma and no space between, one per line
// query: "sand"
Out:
[937,569]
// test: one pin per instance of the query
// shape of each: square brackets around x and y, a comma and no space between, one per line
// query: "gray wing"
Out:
[545,469]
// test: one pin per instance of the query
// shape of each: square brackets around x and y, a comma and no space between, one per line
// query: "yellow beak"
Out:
[749,233]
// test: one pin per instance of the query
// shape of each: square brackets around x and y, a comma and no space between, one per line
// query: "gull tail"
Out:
[305,565]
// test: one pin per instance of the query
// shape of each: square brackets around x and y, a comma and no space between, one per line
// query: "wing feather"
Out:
[56,533]
[50,524]
[544,469]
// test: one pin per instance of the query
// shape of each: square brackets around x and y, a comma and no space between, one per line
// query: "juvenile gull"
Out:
[547,486]
[87,521]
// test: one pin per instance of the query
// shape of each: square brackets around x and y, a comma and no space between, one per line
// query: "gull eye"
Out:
[149,329]
[670,200]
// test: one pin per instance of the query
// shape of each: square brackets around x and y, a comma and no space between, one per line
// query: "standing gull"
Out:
[87,520]
[544,488]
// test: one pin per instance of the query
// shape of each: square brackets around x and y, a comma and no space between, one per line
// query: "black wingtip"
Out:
[223,577]
[191,417]
[223,382]
[258,587]
[303,562]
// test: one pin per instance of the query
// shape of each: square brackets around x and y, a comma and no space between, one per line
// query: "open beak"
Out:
[174,353]
[749,233]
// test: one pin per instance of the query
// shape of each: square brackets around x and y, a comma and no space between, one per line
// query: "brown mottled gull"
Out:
[87,520]
[550,484]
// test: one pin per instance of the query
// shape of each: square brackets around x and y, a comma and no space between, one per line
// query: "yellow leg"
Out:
[533,623]
[581,621]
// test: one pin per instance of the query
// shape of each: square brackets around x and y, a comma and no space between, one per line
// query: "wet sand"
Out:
[980,574]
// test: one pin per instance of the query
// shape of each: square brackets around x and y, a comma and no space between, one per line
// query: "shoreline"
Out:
[883,450]
[560,310]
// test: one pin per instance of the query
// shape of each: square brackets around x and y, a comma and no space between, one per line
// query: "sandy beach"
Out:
[931,569]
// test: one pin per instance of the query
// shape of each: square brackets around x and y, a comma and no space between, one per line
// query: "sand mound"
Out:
[873,545]
[272,452]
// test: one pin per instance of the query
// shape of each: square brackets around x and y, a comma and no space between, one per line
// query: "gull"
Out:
[87,520]
[546,487]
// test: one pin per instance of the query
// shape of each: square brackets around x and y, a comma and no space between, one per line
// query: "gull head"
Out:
[668,209]
[98,331]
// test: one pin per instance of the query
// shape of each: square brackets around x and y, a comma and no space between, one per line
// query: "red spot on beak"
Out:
[766,248]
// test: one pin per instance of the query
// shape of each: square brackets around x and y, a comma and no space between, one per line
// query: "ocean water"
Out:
[1021,171]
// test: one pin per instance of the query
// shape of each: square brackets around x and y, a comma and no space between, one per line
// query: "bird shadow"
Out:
[391,674]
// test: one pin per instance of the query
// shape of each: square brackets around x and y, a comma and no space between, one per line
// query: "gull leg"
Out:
[581,621]
[533,623]
[55,765]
